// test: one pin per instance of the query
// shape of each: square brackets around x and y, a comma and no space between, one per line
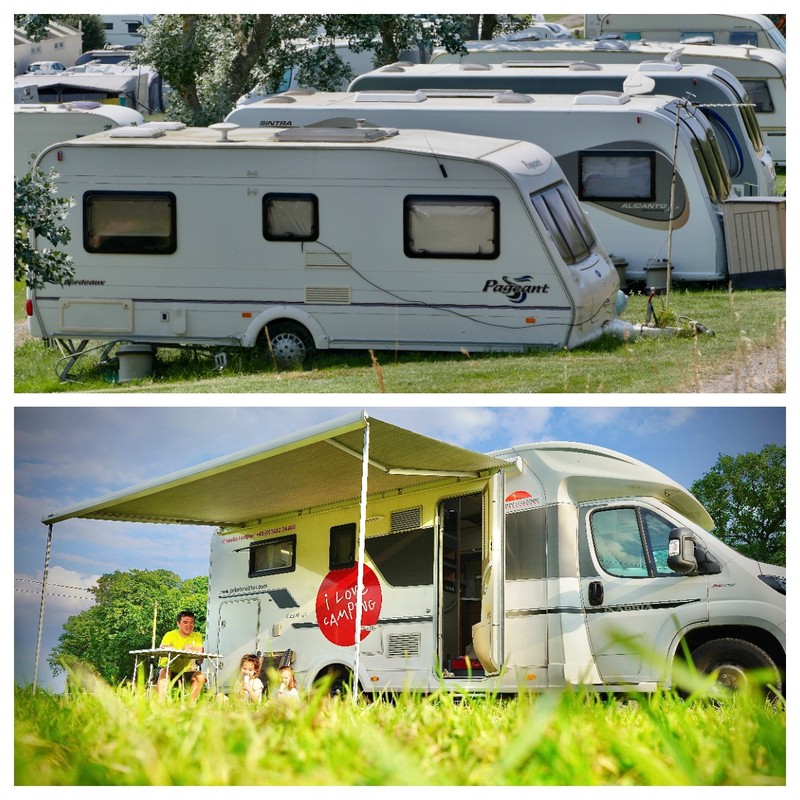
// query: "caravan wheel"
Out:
[288,343]
[733,661]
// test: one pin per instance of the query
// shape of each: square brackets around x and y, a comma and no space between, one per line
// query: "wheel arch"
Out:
[291,314]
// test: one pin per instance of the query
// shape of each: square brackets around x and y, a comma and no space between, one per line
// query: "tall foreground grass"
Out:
[113,737]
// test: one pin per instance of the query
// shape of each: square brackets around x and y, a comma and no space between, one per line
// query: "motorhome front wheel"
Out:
[288,343]
[734,661]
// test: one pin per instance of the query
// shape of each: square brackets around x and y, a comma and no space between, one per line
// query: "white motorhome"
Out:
[616,151]
[713,90]
[761,71]
[752,29]
[356,239]
[542,566]
[38,125]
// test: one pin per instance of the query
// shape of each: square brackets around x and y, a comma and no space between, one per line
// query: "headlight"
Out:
[777,582]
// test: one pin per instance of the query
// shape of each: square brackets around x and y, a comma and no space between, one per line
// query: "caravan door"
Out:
[635,606]
[237,635]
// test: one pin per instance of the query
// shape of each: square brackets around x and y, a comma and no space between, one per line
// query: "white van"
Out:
[761,71]
[715,91]
[752,29]
[38,125]
[616,151]
[542,566]
[359,239]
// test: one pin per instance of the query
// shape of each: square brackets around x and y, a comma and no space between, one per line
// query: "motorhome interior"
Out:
[38,125]
[715,91]
[360,239]
[541,566]
[616,150]
[761,71]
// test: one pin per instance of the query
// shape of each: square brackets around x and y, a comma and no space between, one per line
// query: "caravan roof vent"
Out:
[602,99]
[660,66]
[165,125]
[279,98]
[610,43]
[391,97]
[512,97]
[584,66]
[135,132]
[334,134]
[475,67]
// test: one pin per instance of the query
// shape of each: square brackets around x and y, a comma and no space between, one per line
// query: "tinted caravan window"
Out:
[129,222]
[273,556]
[565,221]
[451,227]
[617,176]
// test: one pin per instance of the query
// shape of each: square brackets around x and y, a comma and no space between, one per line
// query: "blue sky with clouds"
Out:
[64,456]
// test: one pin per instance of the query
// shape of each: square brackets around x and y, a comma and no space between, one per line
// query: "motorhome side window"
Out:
[564,220]
[272,556]
[129,222]
[342,546]
[290,217]
[631,542]
[451,227]
[617,176]
[759,95]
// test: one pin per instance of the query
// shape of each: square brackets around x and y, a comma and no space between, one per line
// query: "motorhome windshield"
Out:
[561,215]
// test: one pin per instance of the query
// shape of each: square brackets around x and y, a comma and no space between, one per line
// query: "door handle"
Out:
[596,593]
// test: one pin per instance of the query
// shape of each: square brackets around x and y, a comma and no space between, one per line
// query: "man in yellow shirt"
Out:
[182,668]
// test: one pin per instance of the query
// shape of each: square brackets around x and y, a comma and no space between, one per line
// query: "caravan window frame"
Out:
[252,569]
[415,201]
[274,197]
[342,541]
[758,93]
[137,244]
[567,225]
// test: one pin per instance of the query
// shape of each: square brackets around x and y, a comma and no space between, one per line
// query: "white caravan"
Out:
[762,72]
[616,151]
[355,239]
[542,566]
[753,29]
[38,125]
[713,90]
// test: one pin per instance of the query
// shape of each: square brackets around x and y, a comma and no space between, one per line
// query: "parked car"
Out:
[45,68]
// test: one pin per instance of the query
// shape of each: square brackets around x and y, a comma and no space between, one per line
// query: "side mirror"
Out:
[680,554]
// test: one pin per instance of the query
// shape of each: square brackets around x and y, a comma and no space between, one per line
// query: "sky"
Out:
[67,455]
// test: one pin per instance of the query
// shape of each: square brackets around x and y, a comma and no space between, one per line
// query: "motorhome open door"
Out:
[487,633]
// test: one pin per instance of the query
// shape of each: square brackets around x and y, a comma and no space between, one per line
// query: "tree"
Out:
[209,60]
[93,34]
[121,620]
[37,211]
[746,496]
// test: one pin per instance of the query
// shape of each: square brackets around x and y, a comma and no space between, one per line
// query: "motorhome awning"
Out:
[317,468]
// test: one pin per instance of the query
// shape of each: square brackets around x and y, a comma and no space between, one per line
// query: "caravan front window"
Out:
[451,227]
[129,222]
[564,220]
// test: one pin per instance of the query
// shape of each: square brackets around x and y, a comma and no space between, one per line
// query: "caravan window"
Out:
[129,222]
[290,217]
[273,556]
[743,37]
[404,558]
[526,544]
[759,95]
[342,546]
[451,227]
[565,221]
[617,175]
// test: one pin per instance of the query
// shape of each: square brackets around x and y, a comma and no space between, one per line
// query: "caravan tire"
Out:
[733,660]
[288,343]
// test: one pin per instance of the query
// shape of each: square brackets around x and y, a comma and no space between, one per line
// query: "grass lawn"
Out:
[743,322]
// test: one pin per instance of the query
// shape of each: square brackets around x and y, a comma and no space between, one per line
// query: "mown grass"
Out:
[743,322]
[113,737]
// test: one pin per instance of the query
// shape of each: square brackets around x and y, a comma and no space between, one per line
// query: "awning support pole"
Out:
[41,605]
[362,533]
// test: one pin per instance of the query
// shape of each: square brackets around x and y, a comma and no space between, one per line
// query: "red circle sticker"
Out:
[336,604]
